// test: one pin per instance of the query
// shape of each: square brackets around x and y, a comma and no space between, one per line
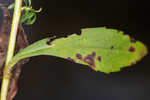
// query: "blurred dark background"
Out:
[51,78]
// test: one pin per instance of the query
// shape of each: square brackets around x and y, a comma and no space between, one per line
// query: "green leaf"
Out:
[11,6]
[29,17]
[31,20]
[102,49]
[27,3]
[28,13]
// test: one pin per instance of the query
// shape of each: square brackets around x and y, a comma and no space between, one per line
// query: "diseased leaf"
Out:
[106,50]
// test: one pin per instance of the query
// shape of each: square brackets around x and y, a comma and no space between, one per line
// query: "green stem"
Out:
[11,48]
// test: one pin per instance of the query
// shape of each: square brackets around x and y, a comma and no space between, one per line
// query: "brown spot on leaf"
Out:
[131,49]
[78,33]
[99,58]
[89,59]
[93,54]
[79,56]
[70,59]
[49,41]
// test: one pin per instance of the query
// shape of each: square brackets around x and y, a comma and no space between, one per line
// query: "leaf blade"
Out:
[102,49]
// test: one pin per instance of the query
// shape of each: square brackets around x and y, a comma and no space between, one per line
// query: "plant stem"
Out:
[11,48]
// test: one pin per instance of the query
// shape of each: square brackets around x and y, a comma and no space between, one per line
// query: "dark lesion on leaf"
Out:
[79,56]
[50,39]
[131,49]
[93,54]
[89,59]
[99,58]
[70,59]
